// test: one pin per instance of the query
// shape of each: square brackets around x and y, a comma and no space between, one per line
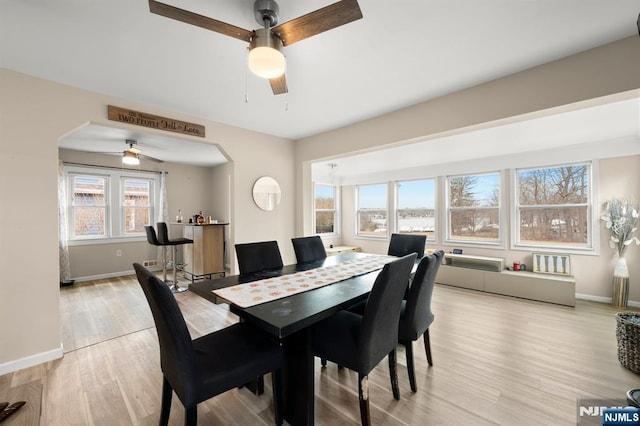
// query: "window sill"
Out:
[470,244]
[372,237]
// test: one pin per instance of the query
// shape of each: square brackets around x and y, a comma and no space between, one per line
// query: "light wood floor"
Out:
[497,360]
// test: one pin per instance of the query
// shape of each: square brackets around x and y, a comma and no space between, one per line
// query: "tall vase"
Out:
[620,285]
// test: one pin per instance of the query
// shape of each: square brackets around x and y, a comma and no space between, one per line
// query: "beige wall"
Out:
[603,74]
[221,190]
[34,114]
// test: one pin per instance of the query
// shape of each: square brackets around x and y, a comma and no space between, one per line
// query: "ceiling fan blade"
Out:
[279,85]
[319,21]
[199,20]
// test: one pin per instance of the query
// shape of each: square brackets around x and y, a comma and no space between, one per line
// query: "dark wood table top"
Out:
[285,316]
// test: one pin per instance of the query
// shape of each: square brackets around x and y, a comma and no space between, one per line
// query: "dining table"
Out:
[290,320]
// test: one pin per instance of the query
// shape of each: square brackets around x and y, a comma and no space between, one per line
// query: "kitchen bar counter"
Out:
[205,257]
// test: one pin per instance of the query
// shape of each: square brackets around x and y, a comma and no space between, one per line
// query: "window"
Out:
[473,208]
[106,204]
[136,204]
[554,206]
[326,209]
[88,206]
[415,207]
[372,210]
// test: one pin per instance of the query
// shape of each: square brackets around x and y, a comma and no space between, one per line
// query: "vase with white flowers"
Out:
[621,217]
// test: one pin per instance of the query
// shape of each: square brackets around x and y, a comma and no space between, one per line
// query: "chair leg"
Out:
[191,416]
[260,385]
[363,393]
[164,263]
[393,373]
[175,288]
[427,347]
[255,386]
[165,408]
[410,369]
[276,385]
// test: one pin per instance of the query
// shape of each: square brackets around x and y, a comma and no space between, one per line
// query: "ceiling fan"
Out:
[265,58]
[131,156]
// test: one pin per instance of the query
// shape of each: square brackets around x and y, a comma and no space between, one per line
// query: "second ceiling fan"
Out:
[265,57]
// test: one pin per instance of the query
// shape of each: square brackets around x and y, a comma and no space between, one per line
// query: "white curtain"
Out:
[65,267]
[163,211]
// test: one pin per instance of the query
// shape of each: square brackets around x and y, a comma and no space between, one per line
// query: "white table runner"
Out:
[266,290]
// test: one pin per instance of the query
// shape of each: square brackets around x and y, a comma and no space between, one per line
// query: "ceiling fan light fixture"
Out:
[130,158]
[265,58]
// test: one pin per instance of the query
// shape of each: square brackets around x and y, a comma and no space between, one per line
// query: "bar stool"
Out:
[153,240]
[163,237]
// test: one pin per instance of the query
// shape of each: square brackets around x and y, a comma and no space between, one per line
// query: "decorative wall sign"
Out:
[154,121]
[550,263]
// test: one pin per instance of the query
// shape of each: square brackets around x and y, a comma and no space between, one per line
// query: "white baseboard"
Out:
[113,274]
[602,299]
[30,361]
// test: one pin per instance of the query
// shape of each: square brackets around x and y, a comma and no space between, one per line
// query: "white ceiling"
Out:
[401,53]
[102,139]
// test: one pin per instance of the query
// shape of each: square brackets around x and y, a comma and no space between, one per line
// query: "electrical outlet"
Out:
[118,252]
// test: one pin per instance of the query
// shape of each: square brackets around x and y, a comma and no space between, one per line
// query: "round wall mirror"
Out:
[266,193]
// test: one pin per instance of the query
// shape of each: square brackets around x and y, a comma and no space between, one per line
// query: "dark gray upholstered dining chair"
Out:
[361,342]
[202,368]
[399,245]
[258,257]
[254,258]
[308,249]
[416,315]
[403,244]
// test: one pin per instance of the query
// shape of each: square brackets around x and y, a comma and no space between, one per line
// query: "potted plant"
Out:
[621,218]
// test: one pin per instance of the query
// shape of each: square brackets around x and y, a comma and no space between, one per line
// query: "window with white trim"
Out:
[326,209]
[473,208]
[416,207]
[553,206]
[88,211]
[372,210]
[105,204]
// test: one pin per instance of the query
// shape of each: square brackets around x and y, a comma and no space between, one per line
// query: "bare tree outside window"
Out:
[474,207]
[89,207]
[325,207]
[136,205]
[106,203]
[554,205]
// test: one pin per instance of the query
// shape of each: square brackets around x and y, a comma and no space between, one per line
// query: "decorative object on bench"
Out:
[628,335]
[551,263]
[621,218]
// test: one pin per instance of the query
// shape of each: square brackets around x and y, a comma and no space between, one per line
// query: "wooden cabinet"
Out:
[206,255]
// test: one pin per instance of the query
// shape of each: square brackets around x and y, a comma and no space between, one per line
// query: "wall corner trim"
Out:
[30,361]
